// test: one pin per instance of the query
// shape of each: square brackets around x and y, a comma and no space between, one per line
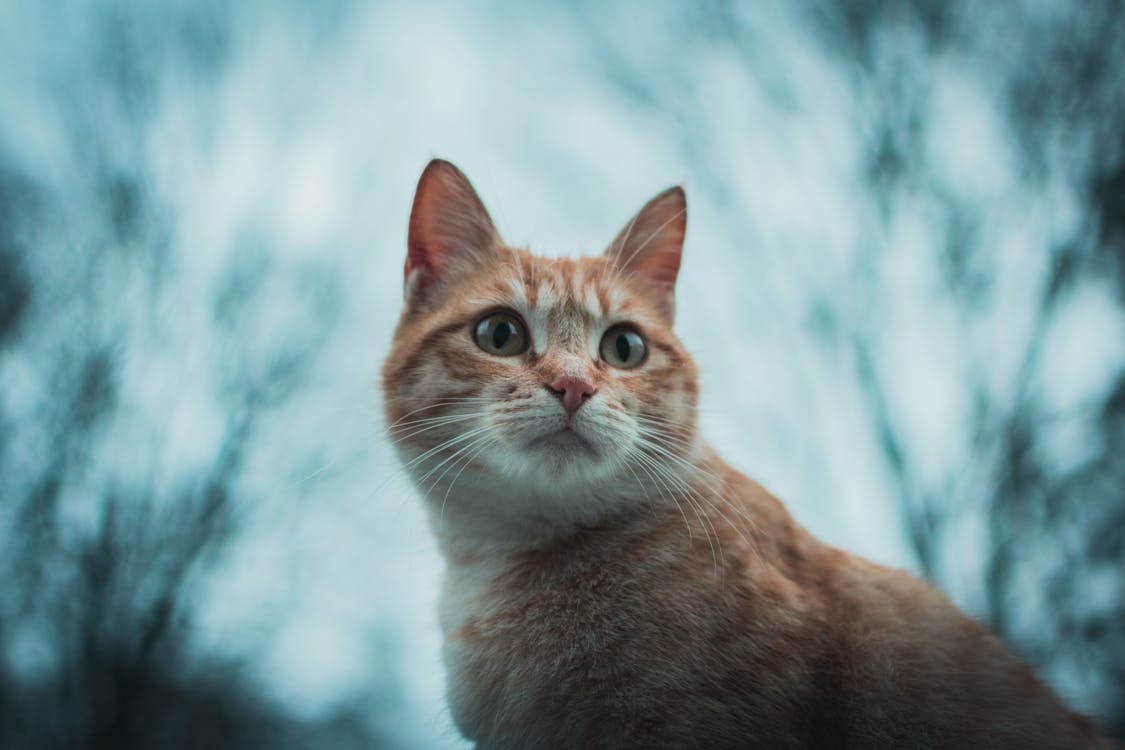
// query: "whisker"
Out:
[471,435]
[704,521]
[434,424]
[483,444]
[418,459]
[431,404]
[454,458]
[648,471]
[716,483]
[615,256]
[654,235]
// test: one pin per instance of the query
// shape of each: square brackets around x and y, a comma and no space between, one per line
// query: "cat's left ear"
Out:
[450,232]
[650,245]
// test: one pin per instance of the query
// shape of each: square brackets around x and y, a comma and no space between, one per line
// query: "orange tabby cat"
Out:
[611,581]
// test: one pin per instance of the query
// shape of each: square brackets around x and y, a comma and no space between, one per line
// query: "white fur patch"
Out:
[539,315]
[593,305]
[616,302]
[519,292]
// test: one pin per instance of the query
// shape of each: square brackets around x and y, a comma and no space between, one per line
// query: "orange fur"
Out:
[611,581]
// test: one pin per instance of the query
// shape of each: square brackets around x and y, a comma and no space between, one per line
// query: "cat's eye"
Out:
[622,347]
[501,333]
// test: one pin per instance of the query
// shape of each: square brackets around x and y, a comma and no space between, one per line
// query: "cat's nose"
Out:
[572,391]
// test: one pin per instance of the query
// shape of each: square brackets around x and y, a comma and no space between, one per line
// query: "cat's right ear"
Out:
[650,245]
[450,231]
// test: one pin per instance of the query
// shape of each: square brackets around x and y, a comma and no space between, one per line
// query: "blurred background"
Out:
[904,283]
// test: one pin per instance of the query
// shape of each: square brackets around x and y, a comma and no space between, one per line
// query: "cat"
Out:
[610,581]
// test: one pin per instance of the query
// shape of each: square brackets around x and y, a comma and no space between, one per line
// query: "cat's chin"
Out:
[565,455]
[563,444]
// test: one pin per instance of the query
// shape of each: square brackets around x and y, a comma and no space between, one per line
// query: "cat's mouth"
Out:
[564,440]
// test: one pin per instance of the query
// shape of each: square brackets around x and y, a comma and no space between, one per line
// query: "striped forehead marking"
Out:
[563,301]
[590,299]
[519,292]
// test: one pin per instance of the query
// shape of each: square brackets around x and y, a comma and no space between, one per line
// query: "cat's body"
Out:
[611,582]
[630,635]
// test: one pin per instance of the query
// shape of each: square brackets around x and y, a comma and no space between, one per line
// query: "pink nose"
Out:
[573,392]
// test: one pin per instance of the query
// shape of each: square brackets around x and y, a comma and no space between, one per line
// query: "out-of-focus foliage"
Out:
[1048,446]
[106,534]
[905,286]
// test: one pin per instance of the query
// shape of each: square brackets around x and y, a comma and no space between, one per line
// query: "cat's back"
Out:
[892,661]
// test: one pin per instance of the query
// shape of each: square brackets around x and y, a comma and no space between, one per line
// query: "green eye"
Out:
[623,347]
[501,334]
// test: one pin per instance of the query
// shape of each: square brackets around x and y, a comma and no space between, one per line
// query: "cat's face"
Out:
[549,375]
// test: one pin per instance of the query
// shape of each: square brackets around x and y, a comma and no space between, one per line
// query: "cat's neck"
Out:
[478,515]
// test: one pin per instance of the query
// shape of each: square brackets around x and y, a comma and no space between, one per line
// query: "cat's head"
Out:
[556,386]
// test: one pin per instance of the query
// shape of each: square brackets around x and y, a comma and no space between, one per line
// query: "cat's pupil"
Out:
[623,347]
[501,333]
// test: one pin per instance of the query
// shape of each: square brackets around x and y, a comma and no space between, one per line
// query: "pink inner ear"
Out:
[658,268]
[420,272]
[447,223]
[416,262]
[424,257]
[650,246]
